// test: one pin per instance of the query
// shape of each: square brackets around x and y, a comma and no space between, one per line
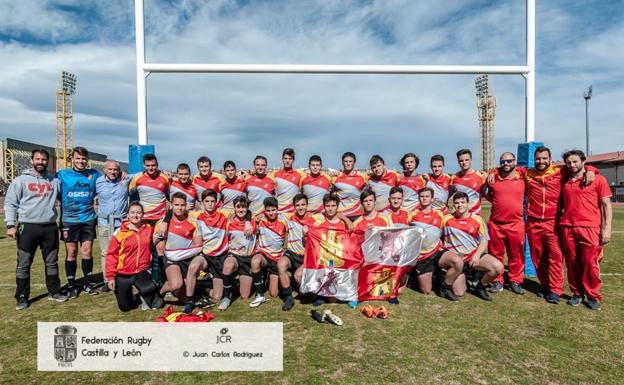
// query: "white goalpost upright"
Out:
[143,69]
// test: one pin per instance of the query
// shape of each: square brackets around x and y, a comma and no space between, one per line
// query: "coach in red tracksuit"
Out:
[585,228]
[506,225]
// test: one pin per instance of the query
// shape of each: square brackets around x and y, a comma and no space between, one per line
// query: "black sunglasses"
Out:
[505,161]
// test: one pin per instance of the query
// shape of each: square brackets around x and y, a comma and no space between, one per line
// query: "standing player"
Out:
[316,185]
[466,234]
[78,216]
[207,179]
[183,242]
[292,260]
[270,247]
[440,182]
[585,228]
[348,185]
[259,185]
[468,181]
[410,181]
[399,215]
[287,182]
[231,188]
[432,254]
[506,225]
[30,216]
[381,181]
[183,184]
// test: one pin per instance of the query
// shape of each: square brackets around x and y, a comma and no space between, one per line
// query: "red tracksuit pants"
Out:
[508,238]
[583,254]
[546,254]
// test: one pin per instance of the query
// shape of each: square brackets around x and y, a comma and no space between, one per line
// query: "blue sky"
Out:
[237,116]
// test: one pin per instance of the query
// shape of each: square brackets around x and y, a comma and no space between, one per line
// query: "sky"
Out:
[235,117]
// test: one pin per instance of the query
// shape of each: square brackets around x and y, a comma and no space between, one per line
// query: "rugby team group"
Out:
[208,238]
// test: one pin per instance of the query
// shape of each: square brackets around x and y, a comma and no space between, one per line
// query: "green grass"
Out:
[427,340]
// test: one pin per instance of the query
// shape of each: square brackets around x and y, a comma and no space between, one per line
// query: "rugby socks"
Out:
[87,270]
[228,282]
[258,282]
[70,270]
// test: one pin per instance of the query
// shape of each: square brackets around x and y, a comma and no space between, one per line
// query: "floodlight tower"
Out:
[587,95]
[64,119]
[486,109]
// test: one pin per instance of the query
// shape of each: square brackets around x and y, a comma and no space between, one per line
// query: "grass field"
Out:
[427,340]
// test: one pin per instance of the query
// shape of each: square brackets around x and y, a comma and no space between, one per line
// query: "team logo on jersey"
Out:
[65,344]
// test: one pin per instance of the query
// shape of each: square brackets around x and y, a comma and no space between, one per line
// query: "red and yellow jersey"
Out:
[257,190]
[320,221]
[400,218]
[362,224]
[287,185]
[349,187]
[129,250]
[507,197]
[472,184]
[441,186]
[180,239]
[381,186]
[431,223]
[187,189]
[315,188]
[271,238]
[214,229]
[230,189]
[543,191]
[153,193]
[211,182]
[239,243]
[295,236]
[410,186]
[463,235]
[581,203]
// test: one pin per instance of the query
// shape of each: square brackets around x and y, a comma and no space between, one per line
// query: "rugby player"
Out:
[348,185]
[410,181]
[400,216]
[469,181]
[232,187]
[184,185]
[207,179]
[259,185]
[316,185]
[380,181]
[287,182]
[440,182]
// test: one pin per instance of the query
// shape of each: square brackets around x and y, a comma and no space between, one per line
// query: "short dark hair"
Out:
[331,198]
[209,193]
[315,158]
[543,149]
[464,151]
[366,193]
[80,151]
[178,195]
[241,200]
[299,197]
[289,151]
[578,153]
[396,189]
[184,166]
[409,155]
[204,159]
[136,204]
[349,154]
[229,163]
[425,189]
[460,195]
[148,157]
[260,157]
[270,202]
[436,157]
[376,158]
[41,151]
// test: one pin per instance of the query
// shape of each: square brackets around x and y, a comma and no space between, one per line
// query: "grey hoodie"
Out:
[31,198]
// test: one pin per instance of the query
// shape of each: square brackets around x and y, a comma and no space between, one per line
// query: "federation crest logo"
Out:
[65,344]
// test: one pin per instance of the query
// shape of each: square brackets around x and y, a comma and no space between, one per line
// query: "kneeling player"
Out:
[292,260]
[466,234]
[269,249]
[432,254]
[183,242]
[241,245]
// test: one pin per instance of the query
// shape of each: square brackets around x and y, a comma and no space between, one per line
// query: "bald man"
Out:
[506,224]
[112,194]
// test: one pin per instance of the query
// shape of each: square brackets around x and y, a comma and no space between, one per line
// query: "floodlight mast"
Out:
[143,69]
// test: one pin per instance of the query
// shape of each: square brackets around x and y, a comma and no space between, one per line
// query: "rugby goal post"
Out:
[143,69]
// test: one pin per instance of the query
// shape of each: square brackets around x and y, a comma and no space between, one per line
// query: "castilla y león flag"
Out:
[350,267]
